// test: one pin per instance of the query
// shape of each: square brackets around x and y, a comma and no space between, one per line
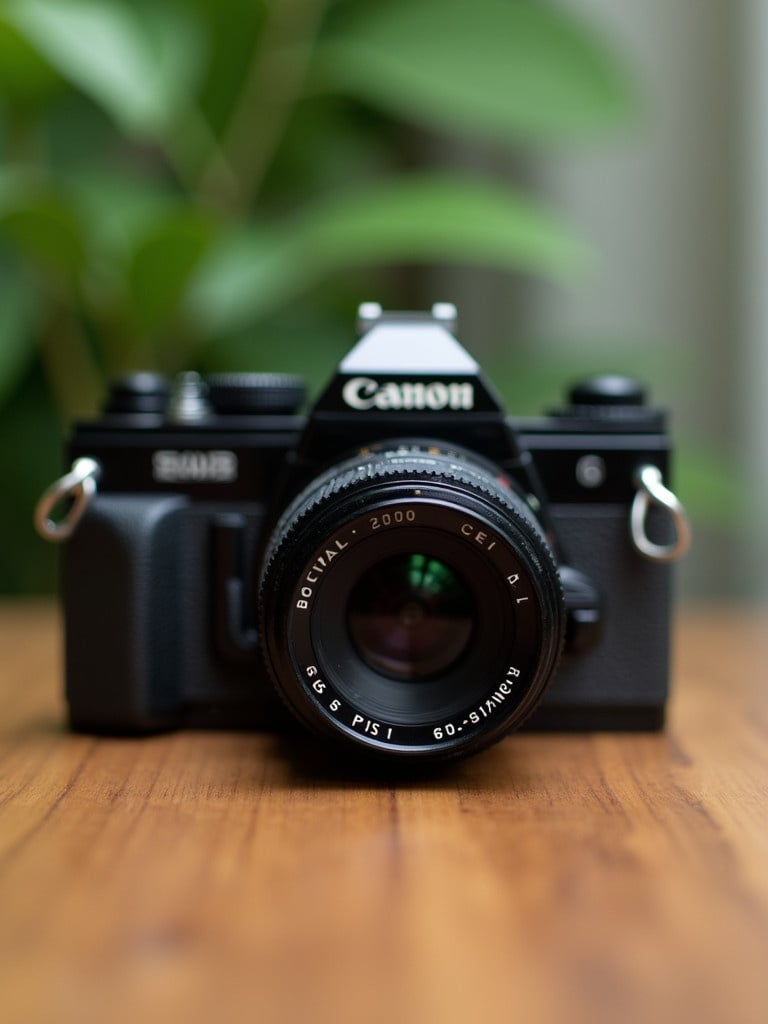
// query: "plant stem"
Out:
[192,149]
[71,372]
[272,86]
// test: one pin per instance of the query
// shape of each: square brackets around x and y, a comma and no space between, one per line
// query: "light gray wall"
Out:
[676,210]
[660,208]
[753,290]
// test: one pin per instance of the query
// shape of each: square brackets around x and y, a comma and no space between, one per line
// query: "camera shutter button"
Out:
[607,389]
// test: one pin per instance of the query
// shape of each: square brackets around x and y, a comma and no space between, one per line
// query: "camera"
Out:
[406,570]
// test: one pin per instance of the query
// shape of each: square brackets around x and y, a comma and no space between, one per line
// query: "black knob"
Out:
[138,393]
[608,389]
[255,393]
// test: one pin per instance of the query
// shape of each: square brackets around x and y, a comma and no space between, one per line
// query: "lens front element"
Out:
[410,617]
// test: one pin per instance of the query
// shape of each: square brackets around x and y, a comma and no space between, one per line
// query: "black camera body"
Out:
[404,566]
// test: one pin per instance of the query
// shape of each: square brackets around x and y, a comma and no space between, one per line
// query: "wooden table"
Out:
[220,877]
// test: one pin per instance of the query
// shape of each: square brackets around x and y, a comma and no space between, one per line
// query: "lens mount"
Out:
[410,605]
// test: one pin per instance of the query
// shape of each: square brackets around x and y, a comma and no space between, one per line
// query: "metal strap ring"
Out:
[651,491]
[79,486]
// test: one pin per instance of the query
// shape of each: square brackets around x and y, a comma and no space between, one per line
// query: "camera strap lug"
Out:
[652,492]
[78,487]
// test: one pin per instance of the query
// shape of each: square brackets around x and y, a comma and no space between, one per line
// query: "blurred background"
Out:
[216,185]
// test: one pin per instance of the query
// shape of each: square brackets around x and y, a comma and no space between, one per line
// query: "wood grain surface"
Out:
[216,877]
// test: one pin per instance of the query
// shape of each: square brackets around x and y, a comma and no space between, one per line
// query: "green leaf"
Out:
[138,61]
[46,231]
[230,26]
[16,181]
[248,272]
[119,214]
[162,264]
[501,69]
[18,341]
[426,218]
[25,78]
[118,210]
[30,457]
[437,217]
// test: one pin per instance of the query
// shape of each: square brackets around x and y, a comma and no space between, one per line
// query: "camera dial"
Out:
[255,393]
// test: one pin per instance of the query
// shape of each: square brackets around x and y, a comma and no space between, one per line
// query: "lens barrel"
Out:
[410,604]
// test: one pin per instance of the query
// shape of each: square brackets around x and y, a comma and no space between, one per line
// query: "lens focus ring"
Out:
[355,475]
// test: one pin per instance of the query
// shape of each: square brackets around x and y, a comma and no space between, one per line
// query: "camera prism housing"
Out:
[407,569]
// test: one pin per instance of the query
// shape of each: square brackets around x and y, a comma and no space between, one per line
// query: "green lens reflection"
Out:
[410,617]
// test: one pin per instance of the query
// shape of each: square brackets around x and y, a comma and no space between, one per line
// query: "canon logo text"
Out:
[365,393]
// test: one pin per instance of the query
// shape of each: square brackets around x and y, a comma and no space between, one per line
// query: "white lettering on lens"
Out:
[365,393]
[480,537]
[497,698]
[396,518]
[370,727]
[317,684]
[317,569]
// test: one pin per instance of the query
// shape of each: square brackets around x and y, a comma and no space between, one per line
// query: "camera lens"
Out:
[410,605]
[410,617]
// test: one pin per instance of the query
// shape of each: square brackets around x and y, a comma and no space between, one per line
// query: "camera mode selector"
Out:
[249,394]
[607,389]
[610,398]
[138,393]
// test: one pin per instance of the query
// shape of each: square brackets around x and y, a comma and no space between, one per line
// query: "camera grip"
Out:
[121,581]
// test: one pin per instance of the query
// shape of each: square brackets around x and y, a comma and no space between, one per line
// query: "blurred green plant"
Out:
[177,178]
